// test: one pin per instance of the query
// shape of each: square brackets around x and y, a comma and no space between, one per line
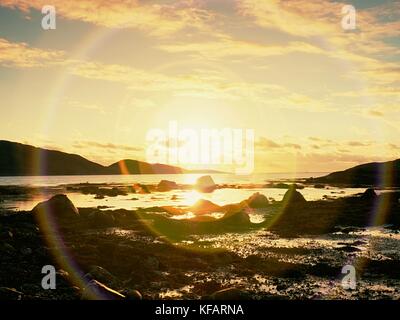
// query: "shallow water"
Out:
[224,196]
[219,178]
[374,243]
[181,197]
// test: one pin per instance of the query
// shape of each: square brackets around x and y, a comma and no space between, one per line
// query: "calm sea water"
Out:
[219,178]
[57,184]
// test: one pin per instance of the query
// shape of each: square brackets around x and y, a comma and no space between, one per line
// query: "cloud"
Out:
[320,139]
[376,113]
[343,160]
[107,146]
[85,106]
[200,83]
[293,17]
[20,55]
[267,144]
[158,19]
[394,146]
[292,145]
[277,160]
[319,21]
[225,46]
[376,91]
[323,143]
[359,144]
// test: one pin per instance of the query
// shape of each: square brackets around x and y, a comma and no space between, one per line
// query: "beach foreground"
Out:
[296,252]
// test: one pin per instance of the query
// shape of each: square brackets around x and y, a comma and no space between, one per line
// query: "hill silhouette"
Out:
[378,174]
[17,159]
[140,167]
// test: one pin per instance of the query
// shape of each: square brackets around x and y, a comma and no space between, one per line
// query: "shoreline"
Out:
[162,258]
[136,195]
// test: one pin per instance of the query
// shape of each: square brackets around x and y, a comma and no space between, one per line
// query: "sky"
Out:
[318,97]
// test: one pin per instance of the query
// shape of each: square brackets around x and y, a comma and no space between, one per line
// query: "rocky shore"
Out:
[297,252]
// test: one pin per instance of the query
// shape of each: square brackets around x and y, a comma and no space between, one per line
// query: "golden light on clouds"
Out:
[287,69]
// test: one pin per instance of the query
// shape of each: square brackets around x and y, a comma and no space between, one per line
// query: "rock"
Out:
[152,263]
[239,218]
[100,193]
[100,274]
[230,294]
[6,235]
[204,207]
[30,289]
[63,274]
[166,185]
[234,207]
[369,194]
[348,248]
[279,185]
[96,290]
[7,248]
[141,188]
[293,197]
[113,192]
[136,278]
[10,294]
[26,251]
[347,230]
[133,295]
[205,184]
[257,200]
[103,207]
[58,207]
[103,219]
[319,186]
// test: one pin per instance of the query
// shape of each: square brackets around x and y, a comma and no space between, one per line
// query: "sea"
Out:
[240,188]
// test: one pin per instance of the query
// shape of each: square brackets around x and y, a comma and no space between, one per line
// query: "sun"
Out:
[190,198]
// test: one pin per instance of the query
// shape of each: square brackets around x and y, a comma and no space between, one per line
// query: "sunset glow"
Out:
[318,97]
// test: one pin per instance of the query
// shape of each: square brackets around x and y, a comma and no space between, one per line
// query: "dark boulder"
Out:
[369,195]
[204,207]
[59,208]
[140,188]
[133,295]
[236,218]
[10,294]
[100,219]
[100,274]
[293,197]
[166,185]
[205,184]
[257,200]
